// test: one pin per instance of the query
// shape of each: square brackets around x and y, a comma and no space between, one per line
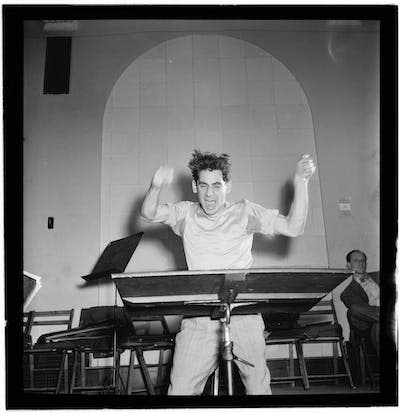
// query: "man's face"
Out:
[211,190]
[357,263]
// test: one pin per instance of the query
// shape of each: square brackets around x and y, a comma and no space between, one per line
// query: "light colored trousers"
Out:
[198,346]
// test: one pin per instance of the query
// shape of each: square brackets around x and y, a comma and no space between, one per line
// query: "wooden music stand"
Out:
[222,293]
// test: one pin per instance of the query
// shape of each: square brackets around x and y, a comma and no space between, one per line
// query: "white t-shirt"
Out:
[221,241]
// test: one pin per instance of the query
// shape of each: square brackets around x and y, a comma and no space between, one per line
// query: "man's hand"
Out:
[305,167]
[152,210]
[163,176]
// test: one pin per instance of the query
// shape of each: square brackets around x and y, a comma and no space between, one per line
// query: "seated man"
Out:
[361,297]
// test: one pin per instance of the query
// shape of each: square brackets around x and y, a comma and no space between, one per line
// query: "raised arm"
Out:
[293,224]
[152,210]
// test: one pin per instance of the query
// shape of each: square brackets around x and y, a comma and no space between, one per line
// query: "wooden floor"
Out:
[323,389]
[327,387]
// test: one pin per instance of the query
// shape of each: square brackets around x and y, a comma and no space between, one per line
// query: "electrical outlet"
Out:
[50,222]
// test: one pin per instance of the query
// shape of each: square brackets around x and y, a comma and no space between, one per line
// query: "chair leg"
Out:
[291,364]
[346,364]
[164,325]
[335,359]
[74,368]
[119,383]
[145,372]
[160,367]
[302,364]
[31,368]
[82,370]
[66,378]
[130,370]
[61,372]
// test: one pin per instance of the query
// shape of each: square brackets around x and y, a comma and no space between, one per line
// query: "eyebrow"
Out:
[205,183]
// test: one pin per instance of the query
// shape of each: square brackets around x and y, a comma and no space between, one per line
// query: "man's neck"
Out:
[217,213]
[361,277]
[358,274]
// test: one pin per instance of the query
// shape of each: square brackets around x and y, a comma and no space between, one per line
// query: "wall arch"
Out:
[216,93]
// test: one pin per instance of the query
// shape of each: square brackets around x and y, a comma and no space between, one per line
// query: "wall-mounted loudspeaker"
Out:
[57,65]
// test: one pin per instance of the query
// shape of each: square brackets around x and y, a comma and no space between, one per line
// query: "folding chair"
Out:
[324,328]
[141,340]
[106,332]
[289,338]
[93,340]
[46,368]
[48,318]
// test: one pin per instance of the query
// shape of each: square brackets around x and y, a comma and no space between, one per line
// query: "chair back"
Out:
[322,313]
[51,319]
[27,320]
[103,315]
[149,325]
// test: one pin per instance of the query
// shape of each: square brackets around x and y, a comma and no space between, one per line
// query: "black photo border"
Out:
[13,42]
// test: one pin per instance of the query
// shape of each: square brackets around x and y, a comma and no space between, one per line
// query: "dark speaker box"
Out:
[57,65]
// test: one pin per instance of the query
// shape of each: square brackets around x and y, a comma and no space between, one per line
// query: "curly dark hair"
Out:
[207,161]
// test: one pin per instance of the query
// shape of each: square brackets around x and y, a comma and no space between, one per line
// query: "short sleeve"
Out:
[177,215]
[260,219]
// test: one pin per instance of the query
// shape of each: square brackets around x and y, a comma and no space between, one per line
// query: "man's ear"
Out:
[348,266]
[194,186]
[228,187]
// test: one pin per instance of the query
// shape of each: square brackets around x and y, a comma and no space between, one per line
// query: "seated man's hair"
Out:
[207,161]
[348,256]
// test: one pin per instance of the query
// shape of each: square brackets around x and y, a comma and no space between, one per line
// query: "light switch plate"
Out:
[345,206]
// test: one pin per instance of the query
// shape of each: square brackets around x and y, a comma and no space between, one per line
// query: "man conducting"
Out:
[217,234]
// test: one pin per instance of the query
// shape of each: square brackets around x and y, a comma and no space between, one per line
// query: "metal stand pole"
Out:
[227,353]
[114,375]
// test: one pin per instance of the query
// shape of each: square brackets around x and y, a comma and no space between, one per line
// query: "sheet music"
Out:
[31,287]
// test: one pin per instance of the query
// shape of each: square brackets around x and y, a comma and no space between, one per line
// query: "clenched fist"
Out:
[163,176]
[305,167]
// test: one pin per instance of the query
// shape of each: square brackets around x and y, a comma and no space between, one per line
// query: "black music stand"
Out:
[222,293]
[114,259]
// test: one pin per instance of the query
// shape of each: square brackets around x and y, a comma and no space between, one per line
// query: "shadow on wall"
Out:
[172,244]
[163,234]
[278,245]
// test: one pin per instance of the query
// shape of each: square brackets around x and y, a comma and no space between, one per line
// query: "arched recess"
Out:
[216,93]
